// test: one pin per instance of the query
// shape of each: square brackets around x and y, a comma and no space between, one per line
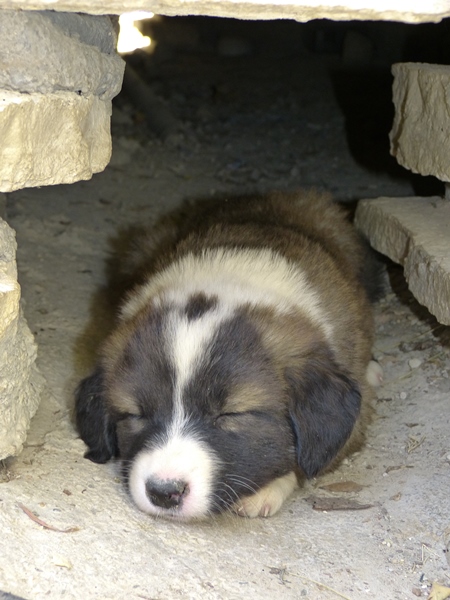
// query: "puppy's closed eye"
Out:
[130,417]
[232,421]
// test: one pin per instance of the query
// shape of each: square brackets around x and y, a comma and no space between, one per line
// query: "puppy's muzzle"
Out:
[166,494]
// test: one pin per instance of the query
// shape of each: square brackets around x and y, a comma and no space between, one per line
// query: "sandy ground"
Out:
[248,123]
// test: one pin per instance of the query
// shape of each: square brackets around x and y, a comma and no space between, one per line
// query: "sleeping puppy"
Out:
[240,362]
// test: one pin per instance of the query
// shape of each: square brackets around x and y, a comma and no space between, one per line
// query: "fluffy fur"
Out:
[240,361]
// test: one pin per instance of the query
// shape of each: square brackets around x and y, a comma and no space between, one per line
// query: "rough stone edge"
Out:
[241,10]
[421,268]
[90,143]
[407,128]
[33,388]
[79,53]
[28,395]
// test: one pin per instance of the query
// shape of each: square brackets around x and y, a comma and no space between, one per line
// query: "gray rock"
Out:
[414,233]
[47,52]
[20,382]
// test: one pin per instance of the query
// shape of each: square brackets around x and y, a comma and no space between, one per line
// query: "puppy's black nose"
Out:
[166,494]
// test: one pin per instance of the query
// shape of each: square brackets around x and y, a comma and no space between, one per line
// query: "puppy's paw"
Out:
[374,374]
[269,499]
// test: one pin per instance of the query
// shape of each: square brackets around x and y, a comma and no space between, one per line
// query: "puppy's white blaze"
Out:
[188,342]
[181,458]
[237,277]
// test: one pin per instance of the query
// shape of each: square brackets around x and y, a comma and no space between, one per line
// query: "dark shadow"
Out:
[400,288]
[365,97]
[364,91]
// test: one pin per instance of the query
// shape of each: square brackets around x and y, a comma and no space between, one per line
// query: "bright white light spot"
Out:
[130,38]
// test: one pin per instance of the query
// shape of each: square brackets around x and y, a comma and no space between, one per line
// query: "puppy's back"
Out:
[289,223]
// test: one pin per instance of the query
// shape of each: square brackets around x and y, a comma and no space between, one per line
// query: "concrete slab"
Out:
[105,548]
[420,11]
[414,232]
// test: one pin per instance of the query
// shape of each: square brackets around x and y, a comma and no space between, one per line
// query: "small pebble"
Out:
[414,363]
[403,395]
[62,561]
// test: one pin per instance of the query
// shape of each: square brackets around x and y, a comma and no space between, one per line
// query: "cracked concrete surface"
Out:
[261,131]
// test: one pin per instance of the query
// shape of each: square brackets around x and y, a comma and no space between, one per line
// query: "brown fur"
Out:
[301,364]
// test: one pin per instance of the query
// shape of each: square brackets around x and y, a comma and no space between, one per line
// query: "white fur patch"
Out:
[236,277]
[268,500]
[374,374]
[180,458]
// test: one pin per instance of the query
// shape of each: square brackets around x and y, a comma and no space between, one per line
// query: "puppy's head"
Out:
[198,408]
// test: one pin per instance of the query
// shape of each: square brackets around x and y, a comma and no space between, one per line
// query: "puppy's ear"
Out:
[324,406]
[94,423]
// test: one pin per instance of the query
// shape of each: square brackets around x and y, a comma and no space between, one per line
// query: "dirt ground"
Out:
[261,120]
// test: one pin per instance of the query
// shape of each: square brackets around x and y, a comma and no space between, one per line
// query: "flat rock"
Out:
[414,232]
[47,52]
[20,382]
[52,138]
[421,130]
[305,10]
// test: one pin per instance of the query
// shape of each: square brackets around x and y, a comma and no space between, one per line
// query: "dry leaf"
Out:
[439,592]
[342,486]
[413,443]
[325,504]
[398,468]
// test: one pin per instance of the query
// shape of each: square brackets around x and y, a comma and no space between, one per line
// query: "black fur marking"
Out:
[235,355]
[198,305]
[146,373]
[325,404]
[94,423]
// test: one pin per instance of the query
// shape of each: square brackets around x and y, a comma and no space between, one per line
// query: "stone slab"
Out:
[52,138]
[20,383]
[420,136]
[414,232]
[420,11]
[47,52]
